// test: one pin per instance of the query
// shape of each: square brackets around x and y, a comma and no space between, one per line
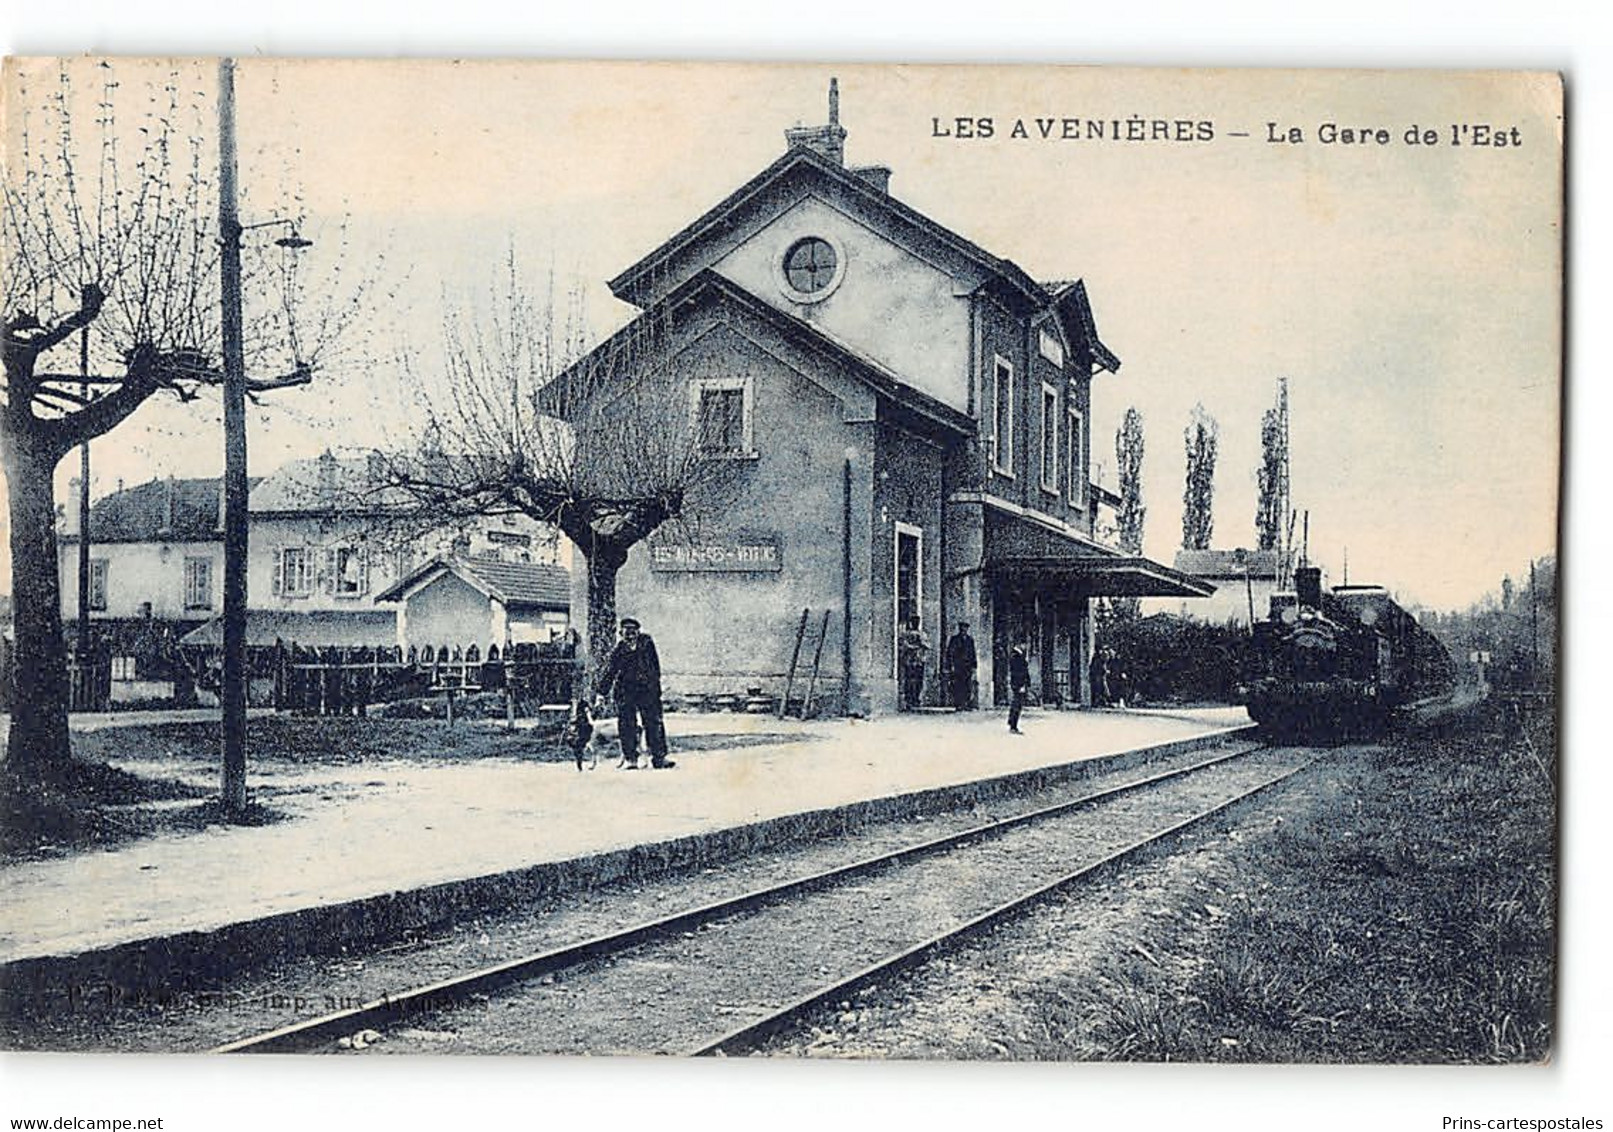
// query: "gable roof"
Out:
[708,286]
[164,510]
[1070,301]
[517,585]
[799,161]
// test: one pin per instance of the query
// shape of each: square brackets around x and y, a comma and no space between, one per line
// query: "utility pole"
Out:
[232,690]
[80,680]
[1285,504]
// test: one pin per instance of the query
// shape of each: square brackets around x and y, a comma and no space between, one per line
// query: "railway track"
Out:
[725,976]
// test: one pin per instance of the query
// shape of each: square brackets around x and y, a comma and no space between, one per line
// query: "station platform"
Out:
[372,851]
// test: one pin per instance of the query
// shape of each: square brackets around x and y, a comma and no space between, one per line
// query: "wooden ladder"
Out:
[795,661]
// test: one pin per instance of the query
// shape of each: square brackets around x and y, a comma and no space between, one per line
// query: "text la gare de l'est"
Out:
[1140,129]
[1455,134]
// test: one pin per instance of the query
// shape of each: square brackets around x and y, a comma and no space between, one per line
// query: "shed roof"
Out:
[349,628]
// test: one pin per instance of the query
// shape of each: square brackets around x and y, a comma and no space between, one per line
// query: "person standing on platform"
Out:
[912,651]
[1019,686]
[961,661]
[1098,675]
[1119,680]
[634,670]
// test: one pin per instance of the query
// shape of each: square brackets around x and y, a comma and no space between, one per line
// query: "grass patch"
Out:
[87,804]
[1402,910]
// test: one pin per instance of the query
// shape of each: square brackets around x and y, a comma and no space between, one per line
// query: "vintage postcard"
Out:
[973,563]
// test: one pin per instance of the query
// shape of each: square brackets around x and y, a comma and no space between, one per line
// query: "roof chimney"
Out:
[69,516]
[327,475]
[878,176]
[828,140]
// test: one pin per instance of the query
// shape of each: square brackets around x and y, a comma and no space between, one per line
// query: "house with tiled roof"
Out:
[156,564]
[327,537]
[323,542]
[156,551]
[908,415]
[453,600]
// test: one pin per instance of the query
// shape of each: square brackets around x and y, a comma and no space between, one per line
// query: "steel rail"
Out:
[752,1034]
[388,1009]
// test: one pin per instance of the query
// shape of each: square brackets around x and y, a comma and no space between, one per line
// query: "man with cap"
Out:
[1019,686]
[634,670]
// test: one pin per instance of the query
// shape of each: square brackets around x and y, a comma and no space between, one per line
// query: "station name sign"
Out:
[748,556]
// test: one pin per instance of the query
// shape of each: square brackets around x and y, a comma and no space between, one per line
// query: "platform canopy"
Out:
[1025,546]
[1094,576]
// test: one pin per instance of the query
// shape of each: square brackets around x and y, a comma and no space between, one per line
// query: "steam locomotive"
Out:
[1340,663]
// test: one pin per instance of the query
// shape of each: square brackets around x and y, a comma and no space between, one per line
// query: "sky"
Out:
[1409,294]
[1266,33]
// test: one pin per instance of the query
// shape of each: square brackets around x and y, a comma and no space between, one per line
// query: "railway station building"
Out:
[906,418]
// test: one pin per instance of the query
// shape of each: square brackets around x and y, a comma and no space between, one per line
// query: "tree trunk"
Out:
[38,740]
[604,561]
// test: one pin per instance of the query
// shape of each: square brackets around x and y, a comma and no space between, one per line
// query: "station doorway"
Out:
[908,590]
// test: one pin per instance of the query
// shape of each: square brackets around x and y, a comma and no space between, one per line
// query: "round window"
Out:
[809,265]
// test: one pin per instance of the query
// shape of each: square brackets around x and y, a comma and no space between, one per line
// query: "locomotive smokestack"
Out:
[1308,585]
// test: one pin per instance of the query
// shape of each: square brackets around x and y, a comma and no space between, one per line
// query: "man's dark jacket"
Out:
[634,671]
[1019,672]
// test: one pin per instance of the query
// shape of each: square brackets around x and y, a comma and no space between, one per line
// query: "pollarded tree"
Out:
[109,245]
[599,443]
[1201,437]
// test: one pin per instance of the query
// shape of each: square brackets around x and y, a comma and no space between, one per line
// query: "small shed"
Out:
[455,600]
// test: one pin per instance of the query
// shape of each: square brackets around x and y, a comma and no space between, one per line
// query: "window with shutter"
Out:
[1076,469]
[98,573]
[720,414]
[294,576]
[349,571]
[1050,439]
[198,583]
[1002,416]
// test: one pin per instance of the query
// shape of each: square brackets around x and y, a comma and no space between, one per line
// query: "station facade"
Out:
[906,419]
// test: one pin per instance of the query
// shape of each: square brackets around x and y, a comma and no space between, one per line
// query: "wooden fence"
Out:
[89,678]
[336,680]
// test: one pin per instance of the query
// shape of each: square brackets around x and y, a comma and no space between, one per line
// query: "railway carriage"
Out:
[1340,663]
